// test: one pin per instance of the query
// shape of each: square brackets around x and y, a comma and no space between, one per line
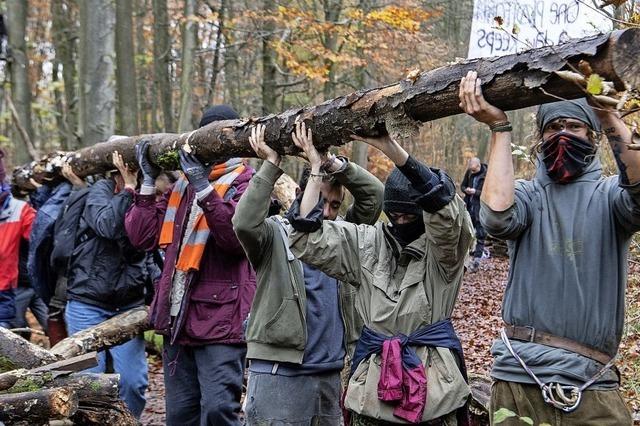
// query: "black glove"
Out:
[197,174]
[149,171]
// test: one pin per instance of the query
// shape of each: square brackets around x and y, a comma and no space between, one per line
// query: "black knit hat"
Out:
[218,113]
[399,194]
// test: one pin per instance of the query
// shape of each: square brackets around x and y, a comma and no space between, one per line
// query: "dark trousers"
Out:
[203,384]
[26,298]
[481,234]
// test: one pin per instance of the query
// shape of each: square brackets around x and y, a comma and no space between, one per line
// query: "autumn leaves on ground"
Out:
[477,320]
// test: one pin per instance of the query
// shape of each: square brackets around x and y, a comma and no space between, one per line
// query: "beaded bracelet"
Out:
[501,126]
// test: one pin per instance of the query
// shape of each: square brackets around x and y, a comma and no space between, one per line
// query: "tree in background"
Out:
[189,39]
[96,73]
[126,70]
[20,87]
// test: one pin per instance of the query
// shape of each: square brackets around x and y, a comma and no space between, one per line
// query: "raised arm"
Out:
[249,224]
[501,215]
[143,221]
[367,190]
[627,199]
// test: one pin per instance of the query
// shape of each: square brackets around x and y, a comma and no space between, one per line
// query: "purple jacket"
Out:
[217,299]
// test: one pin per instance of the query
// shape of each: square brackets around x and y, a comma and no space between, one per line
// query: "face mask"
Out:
[565,156]
[407,233]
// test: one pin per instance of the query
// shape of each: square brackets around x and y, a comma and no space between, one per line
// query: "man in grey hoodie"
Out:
[569,230]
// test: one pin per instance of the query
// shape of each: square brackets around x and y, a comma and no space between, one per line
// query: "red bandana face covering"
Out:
[565,156]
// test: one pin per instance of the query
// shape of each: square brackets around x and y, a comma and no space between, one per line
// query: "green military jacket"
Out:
[277,328]
[399,291]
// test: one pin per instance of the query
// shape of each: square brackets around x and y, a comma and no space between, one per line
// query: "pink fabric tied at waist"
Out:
[407,386]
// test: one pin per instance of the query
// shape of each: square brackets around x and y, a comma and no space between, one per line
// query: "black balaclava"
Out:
[398,198]
[565,155]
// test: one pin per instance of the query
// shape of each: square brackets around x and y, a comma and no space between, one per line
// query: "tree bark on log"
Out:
[509,82]
[112,332]
[16,352]
[42,375]
[39,406]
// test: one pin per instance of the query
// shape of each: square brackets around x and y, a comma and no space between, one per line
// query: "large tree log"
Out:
[41,375]
[509,82]
[35,408]
[97,394]
[16,352]
[112,332]
[99,400]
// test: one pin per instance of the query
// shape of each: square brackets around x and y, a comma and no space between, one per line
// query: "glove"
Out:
[149,171]
[197,174]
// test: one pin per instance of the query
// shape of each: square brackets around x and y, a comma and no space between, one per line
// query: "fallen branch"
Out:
[509,82]
[33,152]
[112,332]
[17,352]
[42,375]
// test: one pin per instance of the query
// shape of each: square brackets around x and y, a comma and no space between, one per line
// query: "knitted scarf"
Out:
[192,249]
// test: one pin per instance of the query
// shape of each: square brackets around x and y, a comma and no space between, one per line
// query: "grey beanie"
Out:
[399,195]
[578,109]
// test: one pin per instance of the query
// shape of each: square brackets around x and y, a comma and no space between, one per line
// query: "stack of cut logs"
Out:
[39,385]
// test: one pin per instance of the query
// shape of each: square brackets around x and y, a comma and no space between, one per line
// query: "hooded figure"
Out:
[408,275]
[16,218]
[207,285]
[568,231]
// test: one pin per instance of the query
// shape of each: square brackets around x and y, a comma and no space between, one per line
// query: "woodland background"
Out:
[79,71]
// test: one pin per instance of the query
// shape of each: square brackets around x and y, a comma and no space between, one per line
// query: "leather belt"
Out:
[530,334]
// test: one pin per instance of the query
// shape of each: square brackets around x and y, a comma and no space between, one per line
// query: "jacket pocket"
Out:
[285,327]
[211,309]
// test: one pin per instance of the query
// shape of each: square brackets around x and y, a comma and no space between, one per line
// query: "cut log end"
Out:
[39,406]
[625,63]
[64,402]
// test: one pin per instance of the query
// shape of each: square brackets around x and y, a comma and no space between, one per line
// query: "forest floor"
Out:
[477,320]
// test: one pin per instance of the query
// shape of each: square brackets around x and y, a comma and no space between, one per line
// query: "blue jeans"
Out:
[7,308]
[203,384]
[129,359]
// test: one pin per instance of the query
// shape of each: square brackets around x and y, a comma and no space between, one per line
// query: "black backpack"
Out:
[67,230]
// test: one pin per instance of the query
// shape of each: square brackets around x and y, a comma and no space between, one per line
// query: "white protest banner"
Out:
[528,24]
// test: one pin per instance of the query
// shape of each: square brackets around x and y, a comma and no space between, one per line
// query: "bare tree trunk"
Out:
[162,61]
[142,74]
[269,95]
[509,82]
[126,69]
[217,53]
[231,65]
[19,67]
[64,34]
[189,35]
[332,10]
[360,150]
[97,93]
